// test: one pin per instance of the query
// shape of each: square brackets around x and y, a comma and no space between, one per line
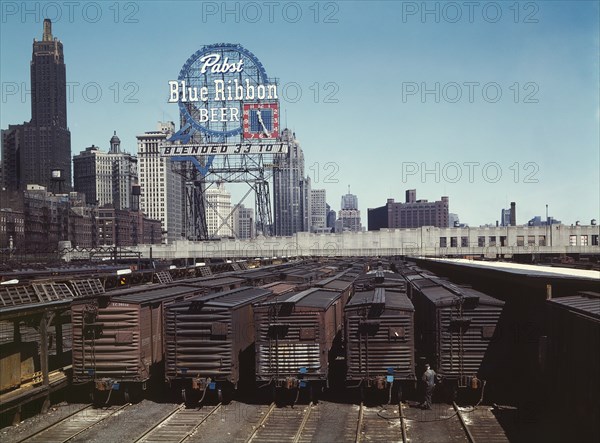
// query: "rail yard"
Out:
[298,350]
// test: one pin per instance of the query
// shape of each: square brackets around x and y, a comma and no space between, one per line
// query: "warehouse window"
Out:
[572,240]
[531,240]
[481,241]
[542,240]
[443,242]
[584,240]
[492,240]
[453,242]
[520,240]
[594,240]
[464,242]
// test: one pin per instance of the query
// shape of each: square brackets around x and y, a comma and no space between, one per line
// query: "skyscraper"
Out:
[106,177]
[219,219]
[33,150]
[162,190]
[47,138]
[243,222]
[318,210]
[291,189]
[349,214]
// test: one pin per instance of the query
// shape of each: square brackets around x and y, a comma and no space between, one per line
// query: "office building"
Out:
[162,190]
[291,189]
[243,222]
[412,213]
[106,178]
[219,219]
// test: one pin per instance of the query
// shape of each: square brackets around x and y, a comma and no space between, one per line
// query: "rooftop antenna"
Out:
[348,189]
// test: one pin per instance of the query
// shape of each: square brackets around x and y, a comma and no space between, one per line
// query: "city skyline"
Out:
[528,143]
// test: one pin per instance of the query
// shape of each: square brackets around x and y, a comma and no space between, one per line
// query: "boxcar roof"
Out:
[213,282]
[393,300]
[444,294]
[154,295]
[234,297]
[338,281]
[586,303]
[279,287]
[311,298]
[231,298]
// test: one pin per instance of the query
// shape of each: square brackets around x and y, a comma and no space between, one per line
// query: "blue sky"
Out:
[536,144]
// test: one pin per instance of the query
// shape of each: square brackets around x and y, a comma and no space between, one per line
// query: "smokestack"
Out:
[513,214]
[47,37]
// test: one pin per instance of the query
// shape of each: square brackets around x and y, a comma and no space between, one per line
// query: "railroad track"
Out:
[73,425]
[178,425]
[284,425]
[480,425]
[380,424]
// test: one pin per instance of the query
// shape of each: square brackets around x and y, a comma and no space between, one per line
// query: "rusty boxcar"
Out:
[455,329]
[118,341]
[210,342]
[298,335]
[379,331]
[573,361]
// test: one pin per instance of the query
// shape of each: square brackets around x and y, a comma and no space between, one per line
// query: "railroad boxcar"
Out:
[379,331]
[118,340]
[455,330]
[573,362]
[215,284]
[280,288]
[210,342]
[298,335]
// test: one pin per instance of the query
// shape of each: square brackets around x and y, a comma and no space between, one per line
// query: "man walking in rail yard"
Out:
[429,380]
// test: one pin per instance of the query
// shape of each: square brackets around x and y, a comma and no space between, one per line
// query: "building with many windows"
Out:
[291,189]
[412,213]
[162,191]
[243,222]
[106,178]
[318,210]
[349,214]
[219,219]
[39,151]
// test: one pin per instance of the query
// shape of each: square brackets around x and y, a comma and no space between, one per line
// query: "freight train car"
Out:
[210,342]
[118,341]
[379,331]
[298,335]
[573,361]
[456,331]
[212,285]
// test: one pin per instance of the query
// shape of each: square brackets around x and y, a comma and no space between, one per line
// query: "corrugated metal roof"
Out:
[586,303]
